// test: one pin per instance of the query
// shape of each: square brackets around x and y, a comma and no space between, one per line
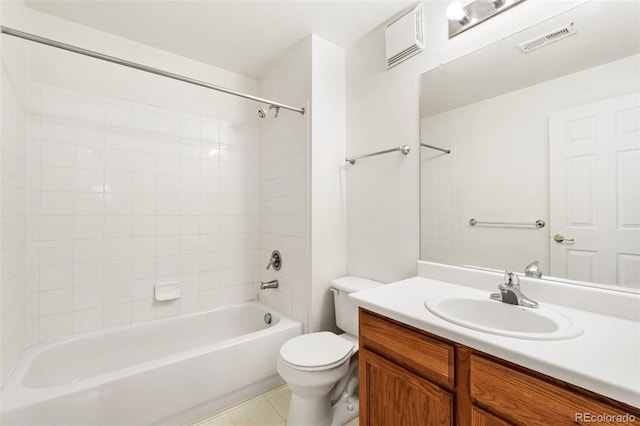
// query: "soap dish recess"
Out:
[167,291]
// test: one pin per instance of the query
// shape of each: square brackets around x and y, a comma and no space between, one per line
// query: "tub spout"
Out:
[268,284]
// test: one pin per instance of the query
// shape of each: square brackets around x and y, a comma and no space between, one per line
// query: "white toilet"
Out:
[321,369]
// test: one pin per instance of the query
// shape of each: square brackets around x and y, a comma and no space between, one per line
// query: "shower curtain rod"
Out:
[112,59]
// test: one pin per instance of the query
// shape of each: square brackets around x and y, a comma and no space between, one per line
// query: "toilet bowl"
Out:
[321,368]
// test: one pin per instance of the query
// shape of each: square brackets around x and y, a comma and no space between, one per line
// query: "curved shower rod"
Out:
[134,65]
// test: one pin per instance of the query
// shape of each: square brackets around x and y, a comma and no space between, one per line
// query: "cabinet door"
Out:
[391,395]
[480,417]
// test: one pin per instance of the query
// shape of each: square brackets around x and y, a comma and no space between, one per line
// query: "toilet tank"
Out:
[347,313]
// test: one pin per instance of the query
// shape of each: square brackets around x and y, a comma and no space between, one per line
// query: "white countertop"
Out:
[604,359]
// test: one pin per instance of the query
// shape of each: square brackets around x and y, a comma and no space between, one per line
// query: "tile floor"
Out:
[268,409]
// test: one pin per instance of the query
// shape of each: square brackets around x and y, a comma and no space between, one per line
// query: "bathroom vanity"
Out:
[418,369]
[411,377]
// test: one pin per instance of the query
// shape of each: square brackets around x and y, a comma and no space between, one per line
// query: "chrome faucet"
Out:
[533,270]
[510,292]
[269,284]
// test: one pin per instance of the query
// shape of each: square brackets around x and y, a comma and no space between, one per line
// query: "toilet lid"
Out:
[316,350]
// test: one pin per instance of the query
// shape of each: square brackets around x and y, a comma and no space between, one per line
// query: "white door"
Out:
[595,192]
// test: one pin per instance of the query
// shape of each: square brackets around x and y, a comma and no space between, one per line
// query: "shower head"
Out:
[262,112]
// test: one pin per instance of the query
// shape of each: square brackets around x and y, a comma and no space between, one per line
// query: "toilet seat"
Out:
[316,351]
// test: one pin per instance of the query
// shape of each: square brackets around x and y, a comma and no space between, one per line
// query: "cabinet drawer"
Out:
[528,400]
[408,347]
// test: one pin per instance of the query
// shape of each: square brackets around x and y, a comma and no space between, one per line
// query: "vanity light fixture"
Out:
[461,18]
[455,12]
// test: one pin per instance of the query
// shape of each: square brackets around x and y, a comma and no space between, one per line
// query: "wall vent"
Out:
[404,37]
[547,38]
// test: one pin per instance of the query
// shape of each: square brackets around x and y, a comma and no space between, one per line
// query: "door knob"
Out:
[559,238]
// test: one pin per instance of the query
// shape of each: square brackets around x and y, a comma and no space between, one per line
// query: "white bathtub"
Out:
[165,372]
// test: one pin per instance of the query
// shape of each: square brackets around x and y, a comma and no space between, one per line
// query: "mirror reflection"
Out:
[543,129]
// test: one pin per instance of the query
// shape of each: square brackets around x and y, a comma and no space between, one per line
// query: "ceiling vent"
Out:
[548,38]
[404,37]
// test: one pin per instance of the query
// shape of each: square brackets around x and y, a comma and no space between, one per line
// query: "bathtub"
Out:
[167,372]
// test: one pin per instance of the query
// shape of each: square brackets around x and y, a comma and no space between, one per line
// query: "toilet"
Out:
[321,369]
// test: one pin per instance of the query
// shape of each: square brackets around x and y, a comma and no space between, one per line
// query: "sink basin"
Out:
[495,317]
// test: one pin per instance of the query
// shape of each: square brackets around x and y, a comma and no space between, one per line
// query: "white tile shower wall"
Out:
[13,209]
[126,195]
[284,213]
[125,191]
[284,193]
[296,160]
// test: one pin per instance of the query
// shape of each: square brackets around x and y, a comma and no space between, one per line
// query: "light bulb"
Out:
[455,12]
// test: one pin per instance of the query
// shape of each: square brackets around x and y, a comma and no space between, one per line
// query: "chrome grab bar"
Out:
[446,151]
[538,223]
[403,149]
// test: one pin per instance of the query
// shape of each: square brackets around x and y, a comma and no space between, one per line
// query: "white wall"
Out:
[514,186]
[133,179]
[383,212]
[328,179]
[13,204]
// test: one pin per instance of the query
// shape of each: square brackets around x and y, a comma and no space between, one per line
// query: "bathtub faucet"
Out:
[268,284]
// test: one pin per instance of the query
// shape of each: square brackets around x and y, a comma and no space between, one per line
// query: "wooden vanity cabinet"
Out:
[410,377]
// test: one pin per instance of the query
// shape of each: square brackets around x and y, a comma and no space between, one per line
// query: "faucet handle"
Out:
[275,260]
[533,270]
[511,279]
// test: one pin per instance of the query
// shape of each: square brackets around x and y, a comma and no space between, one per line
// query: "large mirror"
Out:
[544,161]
